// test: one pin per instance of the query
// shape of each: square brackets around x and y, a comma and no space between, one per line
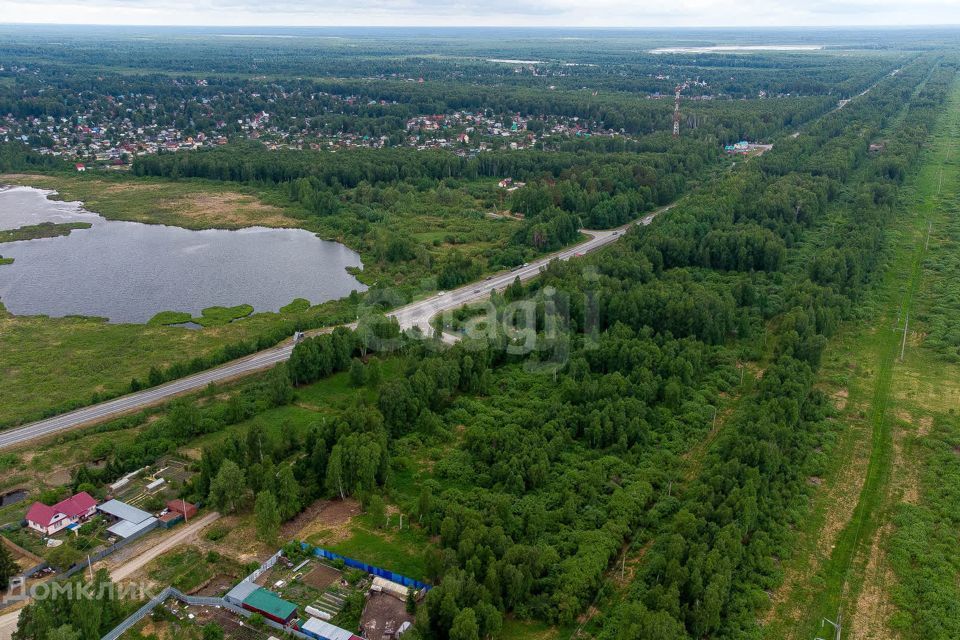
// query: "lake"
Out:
[741,48]
[129,271]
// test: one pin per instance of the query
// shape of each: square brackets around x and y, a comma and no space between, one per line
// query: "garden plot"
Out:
[311,583]
[174,620]
[152,486]
[321,575]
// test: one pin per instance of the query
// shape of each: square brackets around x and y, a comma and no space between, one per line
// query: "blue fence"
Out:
[369,568]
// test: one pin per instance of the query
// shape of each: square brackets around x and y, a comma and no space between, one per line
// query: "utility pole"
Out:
[903,343]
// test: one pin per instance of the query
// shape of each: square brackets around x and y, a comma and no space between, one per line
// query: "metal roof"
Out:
[240,592]
[125,528]
[269,602]
[124,511]
[321,629]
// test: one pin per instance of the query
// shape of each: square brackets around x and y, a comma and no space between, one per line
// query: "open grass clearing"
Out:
[188,204]
[400,551]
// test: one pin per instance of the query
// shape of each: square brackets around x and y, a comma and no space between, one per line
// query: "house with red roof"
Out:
[51,519]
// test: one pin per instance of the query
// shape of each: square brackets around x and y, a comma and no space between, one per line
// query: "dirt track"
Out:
[8,621]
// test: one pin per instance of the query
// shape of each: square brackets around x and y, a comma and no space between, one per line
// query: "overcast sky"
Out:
[575,13]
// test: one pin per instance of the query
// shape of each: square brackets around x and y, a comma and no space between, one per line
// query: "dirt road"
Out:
[8,621]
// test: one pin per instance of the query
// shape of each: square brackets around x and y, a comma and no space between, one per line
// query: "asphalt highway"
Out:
[415,314]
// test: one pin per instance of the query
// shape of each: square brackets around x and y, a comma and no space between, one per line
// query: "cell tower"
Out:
[676,108]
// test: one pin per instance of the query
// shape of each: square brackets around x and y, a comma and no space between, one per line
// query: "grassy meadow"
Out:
[49,364]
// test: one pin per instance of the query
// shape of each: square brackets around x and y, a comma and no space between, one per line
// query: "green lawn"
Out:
[514,629]
[399,551]
[336,392]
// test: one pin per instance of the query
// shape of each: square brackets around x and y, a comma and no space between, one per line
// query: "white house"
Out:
[50,519]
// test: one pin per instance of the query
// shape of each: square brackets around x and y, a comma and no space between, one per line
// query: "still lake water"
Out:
[128,271]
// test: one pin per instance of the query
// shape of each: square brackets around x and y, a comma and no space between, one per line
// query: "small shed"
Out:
[170,518]
[271,606]
[325,631]
[182,507]
[239,593]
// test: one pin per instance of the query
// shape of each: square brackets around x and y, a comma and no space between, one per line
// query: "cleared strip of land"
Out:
[841,567]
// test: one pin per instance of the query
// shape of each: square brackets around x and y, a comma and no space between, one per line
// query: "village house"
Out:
[51,519]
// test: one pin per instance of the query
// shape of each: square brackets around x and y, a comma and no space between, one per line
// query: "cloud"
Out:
[608,13]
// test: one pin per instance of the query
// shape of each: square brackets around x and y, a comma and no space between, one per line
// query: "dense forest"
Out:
[563,454]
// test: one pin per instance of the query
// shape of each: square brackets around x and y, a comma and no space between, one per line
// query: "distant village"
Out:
[110,131]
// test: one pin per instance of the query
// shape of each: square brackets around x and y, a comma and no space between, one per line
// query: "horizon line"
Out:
[486,26]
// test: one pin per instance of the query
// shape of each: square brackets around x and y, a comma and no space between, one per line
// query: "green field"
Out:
[291,419]
[52,364]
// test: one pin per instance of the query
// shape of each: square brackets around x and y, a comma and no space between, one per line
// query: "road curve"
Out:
[415,314]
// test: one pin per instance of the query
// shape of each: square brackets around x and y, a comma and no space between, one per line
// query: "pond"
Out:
[13,497]
[129,271]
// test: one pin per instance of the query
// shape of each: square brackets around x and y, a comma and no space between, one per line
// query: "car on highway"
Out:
[441,293]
